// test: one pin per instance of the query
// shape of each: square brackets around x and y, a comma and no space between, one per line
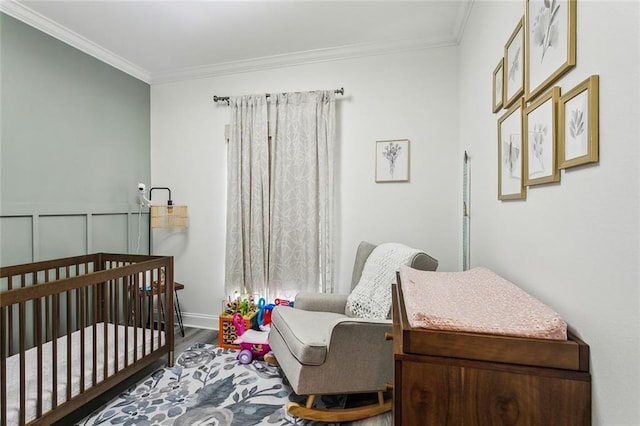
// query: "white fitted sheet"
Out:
[13,366]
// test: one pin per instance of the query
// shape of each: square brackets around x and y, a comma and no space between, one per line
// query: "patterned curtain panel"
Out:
[303,139]
[246,260]
[280,195]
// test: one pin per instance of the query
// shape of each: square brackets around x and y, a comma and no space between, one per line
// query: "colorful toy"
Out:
[267,313]
[246,307]
[253,344]
[264,312]
[284,302]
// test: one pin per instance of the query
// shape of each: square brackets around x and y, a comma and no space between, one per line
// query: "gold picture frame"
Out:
[540,146]
[498,86]
[392,160]
[514,65]
[578,124]
[510,164]
[550,34]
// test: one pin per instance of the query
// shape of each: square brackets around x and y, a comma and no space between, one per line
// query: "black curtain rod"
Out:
[217,98]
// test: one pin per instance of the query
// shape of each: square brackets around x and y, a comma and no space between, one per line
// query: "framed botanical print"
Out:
[510,164]
[498,86]
[514,66]
[578,122]
[539,126]
[392,160]
[551,42]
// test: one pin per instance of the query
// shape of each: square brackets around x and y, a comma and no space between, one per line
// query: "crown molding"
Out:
[299,58]
[55,30]
[319,55]
[463,16]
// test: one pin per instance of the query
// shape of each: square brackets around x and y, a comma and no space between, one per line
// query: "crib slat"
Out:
[116,321]
[4,335]
[82,324]
[22,348]
[155,320]
[57,333]
[127,312]
[38,337]
[69,341]
[10,315]
[136,318]
[47,312]
[146,316]
[105,319]
[161,300]
[54,351]
[94,352]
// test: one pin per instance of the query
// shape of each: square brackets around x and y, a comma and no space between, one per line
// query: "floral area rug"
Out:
[206,386]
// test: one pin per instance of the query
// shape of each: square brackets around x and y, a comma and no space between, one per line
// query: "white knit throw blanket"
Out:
[371,297]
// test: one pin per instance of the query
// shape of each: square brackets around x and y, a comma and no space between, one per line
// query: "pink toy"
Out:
[252,343]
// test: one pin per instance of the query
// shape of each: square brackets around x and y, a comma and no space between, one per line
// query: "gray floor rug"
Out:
[208,386]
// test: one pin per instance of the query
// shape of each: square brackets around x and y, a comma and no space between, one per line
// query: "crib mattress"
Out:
[476,301]
[13,366]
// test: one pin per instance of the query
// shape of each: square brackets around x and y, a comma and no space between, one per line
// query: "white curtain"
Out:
[301,246]
[280,198]
[246,260]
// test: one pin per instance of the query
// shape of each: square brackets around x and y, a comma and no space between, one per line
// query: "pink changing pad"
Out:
[478,301]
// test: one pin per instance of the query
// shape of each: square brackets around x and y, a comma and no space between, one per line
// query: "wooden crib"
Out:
[72,328]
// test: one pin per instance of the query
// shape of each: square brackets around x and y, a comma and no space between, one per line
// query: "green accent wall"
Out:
[75,141]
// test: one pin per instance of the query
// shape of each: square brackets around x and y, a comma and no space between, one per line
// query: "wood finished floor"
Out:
[191,336]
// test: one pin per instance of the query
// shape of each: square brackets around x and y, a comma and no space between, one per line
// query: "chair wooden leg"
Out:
[271,360]
[310,400]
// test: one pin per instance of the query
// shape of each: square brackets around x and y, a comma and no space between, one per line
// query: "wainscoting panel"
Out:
[109,233]
[17,240]
[62,236]
[32,237]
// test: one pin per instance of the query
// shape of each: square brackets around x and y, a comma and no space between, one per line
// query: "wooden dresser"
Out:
[453,378]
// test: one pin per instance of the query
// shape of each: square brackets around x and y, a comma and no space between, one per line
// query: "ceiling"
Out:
[158,41]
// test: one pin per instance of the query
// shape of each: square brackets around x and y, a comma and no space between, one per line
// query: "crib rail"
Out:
[58,314]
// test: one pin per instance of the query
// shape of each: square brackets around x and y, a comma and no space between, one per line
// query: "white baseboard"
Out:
[209,322]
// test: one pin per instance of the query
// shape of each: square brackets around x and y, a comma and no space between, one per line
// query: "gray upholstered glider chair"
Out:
[324,350]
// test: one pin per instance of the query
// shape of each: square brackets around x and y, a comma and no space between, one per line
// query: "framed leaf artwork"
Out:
[578,120]
[551,43]
[540,139]
[514,66]
[498,86]
[510,164]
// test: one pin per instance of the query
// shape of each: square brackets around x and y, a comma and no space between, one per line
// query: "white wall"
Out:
[409,95]
[574,245]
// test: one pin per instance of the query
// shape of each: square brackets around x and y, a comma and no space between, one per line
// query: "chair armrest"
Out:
[360,347]
[361,328]
[322,302]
